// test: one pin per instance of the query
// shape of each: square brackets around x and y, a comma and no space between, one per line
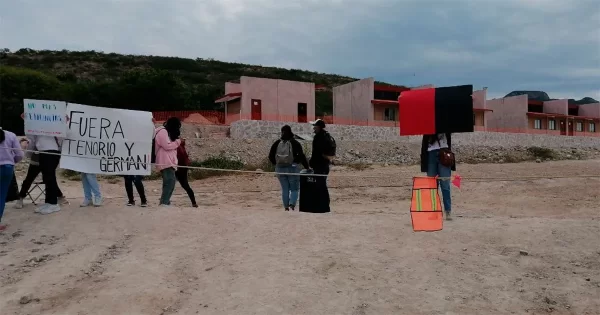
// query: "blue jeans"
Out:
[435,168]
[168,185]
[6,175]
[290,185]
[90,186]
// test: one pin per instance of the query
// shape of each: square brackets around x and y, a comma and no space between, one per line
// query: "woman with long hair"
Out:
[10,154]
[165,145]
[286,154]
[432,147]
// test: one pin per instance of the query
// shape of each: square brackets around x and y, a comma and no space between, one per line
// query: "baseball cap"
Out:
[318,122]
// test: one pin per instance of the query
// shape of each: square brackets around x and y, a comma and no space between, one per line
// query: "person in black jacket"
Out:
[320,159]
[430,164]
[286,153]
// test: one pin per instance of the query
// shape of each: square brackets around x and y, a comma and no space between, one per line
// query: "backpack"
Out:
[332,145]
[284,155]
[183,159]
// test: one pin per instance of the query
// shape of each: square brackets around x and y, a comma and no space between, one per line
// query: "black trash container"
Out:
[314,195]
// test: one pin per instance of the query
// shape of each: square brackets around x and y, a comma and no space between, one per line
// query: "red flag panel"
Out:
[417,112]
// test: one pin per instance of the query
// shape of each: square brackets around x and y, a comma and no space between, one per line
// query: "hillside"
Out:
[151,83]
[544,97]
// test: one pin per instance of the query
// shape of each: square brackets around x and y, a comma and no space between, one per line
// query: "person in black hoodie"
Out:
[286,153]
[430,164]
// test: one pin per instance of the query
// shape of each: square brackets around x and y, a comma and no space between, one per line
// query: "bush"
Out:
[541,153]
[218,162]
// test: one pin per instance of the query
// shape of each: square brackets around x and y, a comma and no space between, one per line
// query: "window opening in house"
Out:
[592,127]
[390,114]
[552,124]
[579,126]
[537,124]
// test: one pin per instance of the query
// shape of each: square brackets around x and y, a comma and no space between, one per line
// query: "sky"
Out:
[505,45]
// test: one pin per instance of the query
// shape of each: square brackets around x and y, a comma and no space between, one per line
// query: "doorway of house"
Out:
[256,109]
[570,128]
[563,128]
[302,115]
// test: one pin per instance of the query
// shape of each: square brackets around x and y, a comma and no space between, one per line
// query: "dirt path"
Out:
[517,247]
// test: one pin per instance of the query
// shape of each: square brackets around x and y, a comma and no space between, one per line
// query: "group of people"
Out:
[287,155]
[169,150]
[44,157]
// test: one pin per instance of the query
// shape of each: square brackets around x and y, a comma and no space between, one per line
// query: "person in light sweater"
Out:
[166,142]
[10,154]
[49,148]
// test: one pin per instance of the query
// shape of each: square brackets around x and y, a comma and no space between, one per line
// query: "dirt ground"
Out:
[515,247]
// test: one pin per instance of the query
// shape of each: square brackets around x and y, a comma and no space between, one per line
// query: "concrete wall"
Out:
[590,110]
[253,129]
[279,98]
[352,102]
[560,107]
[508,114]
[231,87]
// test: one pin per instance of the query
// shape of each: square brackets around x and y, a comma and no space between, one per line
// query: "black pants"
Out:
[32,173]
[136,180]
[182,177]
[48,165]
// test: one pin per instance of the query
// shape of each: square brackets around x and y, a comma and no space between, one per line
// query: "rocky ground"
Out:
[255,151]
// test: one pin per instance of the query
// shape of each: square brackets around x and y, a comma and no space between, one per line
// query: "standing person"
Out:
[136,180]
[431,148]
[32,173]
[10,154]
[166,142]
[323,151]
[91,190]
[49,148]
[286,154]
[181,174]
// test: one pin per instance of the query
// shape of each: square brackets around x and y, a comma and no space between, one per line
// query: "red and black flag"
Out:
[436,110]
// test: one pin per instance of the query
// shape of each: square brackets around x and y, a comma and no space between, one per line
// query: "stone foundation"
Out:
[258,129]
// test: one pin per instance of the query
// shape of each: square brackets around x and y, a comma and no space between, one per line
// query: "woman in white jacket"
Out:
[49,148]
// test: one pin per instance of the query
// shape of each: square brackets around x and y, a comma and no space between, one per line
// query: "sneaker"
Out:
[98,201]
[40,208]
[19,204]
[144,204]
[292,208]
[63,200]
[131,203]
[85,203]
[448,216]
[50,209]
[164,206]
[195,205]
[287,209]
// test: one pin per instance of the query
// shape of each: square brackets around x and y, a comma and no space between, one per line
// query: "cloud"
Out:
[550,45]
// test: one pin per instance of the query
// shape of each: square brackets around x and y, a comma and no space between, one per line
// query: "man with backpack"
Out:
[323,148]
[323,152]
[286,154]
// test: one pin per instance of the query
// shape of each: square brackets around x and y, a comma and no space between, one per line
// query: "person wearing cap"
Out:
[323,151]
[321,148]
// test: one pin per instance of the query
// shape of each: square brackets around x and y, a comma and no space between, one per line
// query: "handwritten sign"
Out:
[45,118]
[107,141]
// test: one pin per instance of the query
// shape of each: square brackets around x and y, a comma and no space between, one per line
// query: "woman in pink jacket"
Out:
[165,145]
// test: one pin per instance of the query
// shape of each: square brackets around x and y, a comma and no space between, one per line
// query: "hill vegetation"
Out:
[151,83]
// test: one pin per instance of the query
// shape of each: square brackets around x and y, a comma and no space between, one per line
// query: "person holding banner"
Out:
[10,154]
[136,180]
[91,190]
[49,148]
[166,142]
[32,173]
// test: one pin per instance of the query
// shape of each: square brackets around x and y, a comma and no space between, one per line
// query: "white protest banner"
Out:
[45,118]
[108,141]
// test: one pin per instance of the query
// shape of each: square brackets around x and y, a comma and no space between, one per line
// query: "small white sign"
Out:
[45,118]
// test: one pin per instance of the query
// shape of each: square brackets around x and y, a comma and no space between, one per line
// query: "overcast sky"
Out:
[506,45]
